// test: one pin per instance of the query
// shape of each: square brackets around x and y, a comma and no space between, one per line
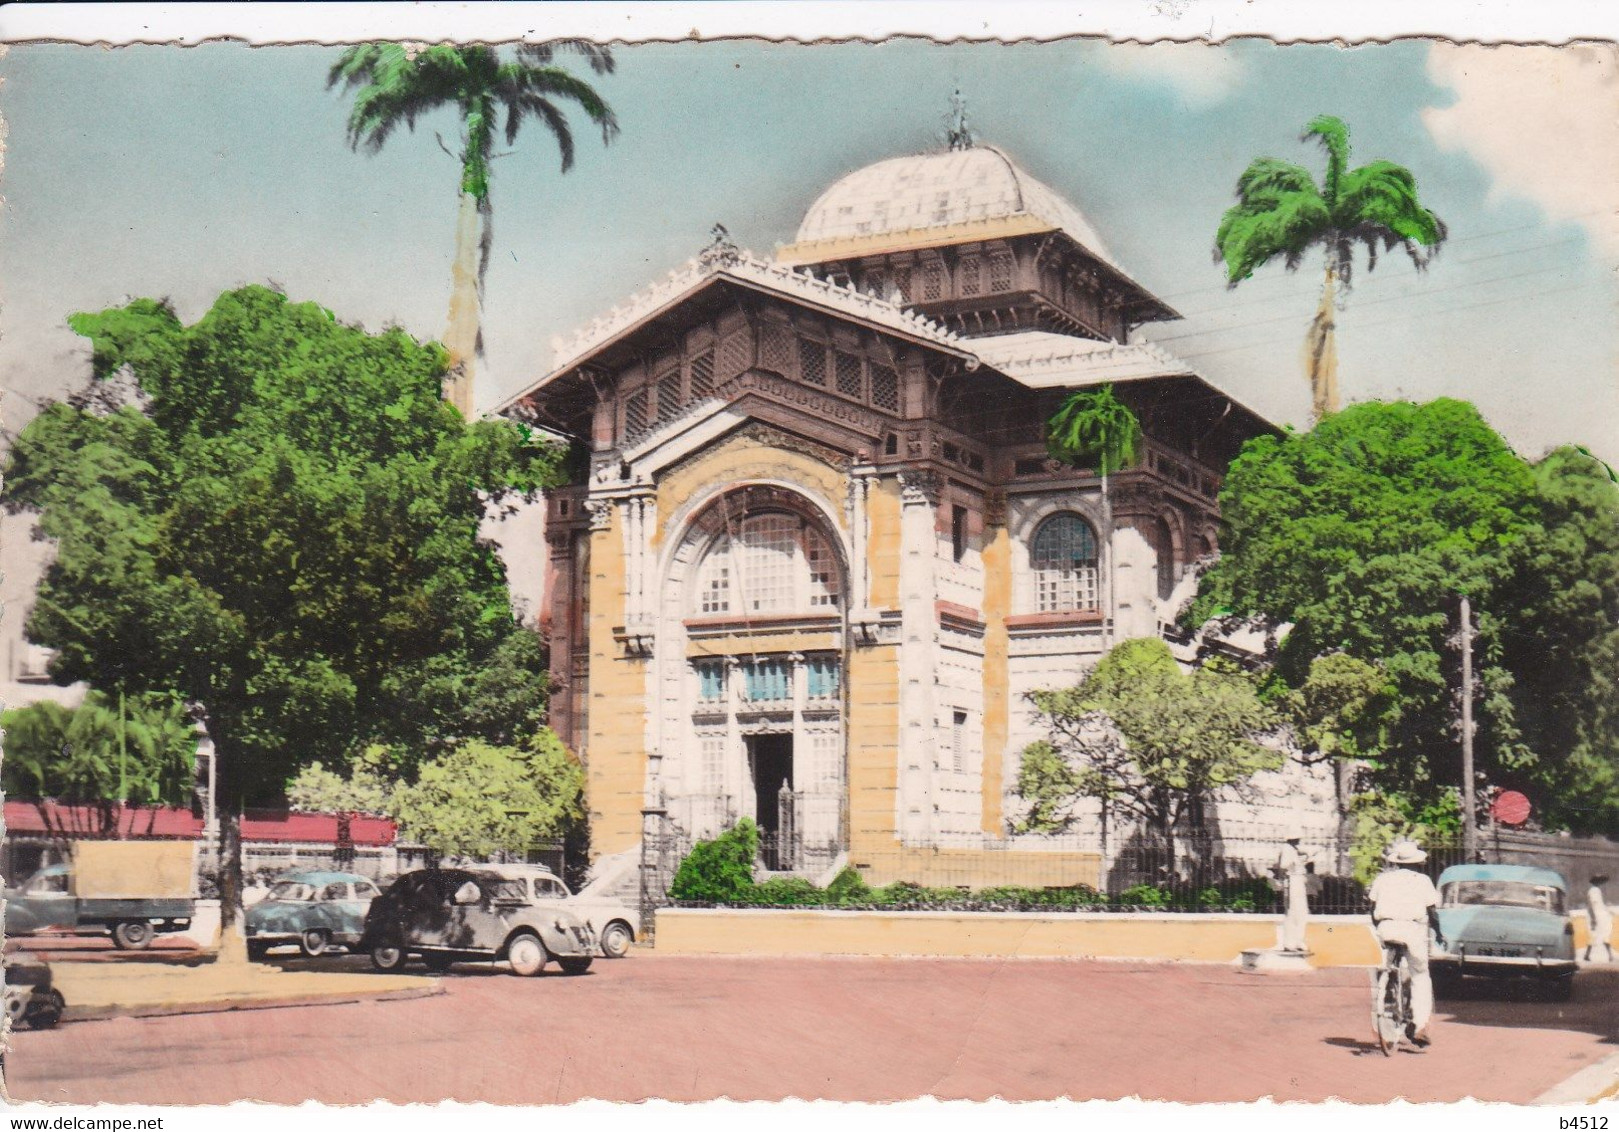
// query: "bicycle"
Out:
[1391,997]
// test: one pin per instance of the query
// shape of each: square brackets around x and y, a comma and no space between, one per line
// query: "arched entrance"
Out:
[752,649]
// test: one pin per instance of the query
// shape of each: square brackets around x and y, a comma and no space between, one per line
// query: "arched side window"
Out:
[777,563]
[1063,560]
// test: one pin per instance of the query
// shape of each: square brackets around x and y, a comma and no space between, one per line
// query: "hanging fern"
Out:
[1094,429]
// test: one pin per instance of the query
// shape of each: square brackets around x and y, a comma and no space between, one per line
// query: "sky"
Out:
[182,172]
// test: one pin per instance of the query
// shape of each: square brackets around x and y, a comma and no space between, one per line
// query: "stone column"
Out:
[918,660]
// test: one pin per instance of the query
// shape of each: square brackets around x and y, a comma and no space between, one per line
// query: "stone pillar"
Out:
[918,754]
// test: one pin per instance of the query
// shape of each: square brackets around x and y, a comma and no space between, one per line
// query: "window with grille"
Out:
[823,571]
[812,361]
[1064,563]
[635,413]
[733,357]
[902,283]
[823,677]
[958,532]
[767,681]
[776,564]
[885,388]
[775,348]
[710,681]
[826,747]
[877,283]
[714,580]
[932,281]
[713,762]
[970,281]
[958,741]
[669,396]
[769,555]
[850,379]
[702,374]
[1000,271]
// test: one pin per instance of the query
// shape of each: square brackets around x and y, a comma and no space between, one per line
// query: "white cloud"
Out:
[1201,73]
[1542,121]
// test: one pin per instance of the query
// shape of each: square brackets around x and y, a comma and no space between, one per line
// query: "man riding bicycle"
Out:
[1405,904]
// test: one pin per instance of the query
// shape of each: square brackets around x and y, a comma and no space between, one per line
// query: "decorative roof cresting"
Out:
[722,257]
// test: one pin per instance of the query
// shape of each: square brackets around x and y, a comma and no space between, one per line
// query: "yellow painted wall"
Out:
[1218,939]
[997,673]
[134,868]
[882,546]
[615,757]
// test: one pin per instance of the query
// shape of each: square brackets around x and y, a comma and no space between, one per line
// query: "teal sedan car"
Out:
[1505,921]
[315,910]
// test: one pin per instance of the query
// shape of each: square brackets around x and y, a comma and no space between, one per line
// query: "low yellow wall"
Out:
[1335,941]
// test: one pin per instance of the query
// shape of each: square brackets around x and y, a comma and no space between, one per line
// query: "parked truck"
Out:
[130,890]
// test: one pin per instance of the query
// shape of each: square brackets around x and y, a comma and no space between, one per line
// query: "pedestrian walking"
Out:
[1600,917]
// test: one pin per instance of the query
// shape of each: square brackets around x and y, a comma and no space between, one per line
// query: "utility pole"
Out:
[1469,833]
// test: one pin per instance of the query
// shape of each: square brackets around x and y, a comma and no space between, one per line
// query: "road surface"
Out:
[688,1028]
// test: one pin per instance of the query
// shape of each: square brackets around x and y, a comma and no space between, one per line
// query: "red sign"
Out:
[1510,808]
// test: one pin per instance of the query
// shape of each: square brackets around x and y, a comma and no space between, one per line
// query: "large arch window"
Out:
[1063,560]
[769,563]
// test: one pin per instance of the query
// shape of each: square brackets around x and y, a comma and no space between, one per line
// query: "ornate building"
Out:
[820,553]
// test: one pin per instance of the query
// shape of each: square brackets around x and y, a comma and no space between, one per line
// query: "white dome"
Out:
[910,195]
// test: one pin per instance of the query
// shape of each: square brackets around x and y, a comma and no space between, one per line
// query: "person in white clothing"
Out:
[1600,916]
[1405,904]
[1292,871]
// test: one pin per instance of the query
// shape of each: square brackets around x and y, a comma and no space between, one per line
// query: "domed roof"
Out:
[907,201]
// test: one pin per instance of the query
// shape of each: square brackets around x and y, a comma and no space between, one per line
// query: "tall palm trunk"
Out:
[466,303]
[1320,348]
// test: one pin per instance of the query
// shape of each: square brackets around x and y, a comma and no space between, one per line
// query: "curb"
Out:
[223,1005]
[1592,1084]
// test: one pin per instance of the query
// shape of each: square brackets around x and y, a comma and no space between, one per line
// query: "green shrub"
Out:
[1210,898]
[1144,896]
[719,871]
[1034,899]
[848,887]
[778,891]
[907,893]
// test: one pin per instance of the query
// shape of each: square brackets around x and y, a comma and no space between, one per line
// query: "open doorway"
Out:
[770,759]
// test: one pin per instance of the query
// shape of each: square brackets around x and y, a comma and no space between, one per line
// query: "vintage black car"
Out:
[444,916]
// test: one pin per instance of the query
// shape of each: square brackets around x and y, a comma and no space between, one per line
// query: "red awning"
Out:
[59,820]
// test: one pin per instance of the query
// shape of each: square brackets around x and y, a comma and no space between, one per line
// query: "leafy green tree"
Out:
[283,530]
[398,83]
[1362,534]
[368,788]
[144,754]
[481,799]
[1281,213]
[1152,742]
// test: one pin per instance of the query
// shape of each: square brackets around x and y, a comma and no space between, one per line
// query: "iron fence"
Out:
[1234,871]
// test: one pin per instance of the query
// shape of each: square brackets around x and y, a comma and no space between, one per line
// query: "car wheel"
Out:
[315,941]
[438,964]
[526,954]
[388,956]
[257,949]
[45,1009]
[616,940]
[131,935]
[574,965]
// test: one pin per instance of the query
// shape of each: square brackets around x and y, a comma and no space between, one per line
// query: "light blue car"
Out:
[1505,921]
[316,910]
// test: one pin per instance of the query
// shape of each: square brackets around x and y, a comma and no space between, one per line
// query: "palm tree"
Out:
[1280,212]
[398,83]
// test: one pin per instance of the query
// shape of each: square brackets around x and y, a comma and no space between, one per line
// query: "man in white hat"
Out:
[1405,904]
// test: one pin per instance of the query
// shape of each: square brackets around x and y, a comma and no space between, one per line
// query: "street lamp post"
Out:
[1469,831]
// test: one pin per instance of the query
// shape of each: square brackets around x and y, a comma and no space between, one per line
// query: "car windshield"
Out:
[1511,893]
[291,890]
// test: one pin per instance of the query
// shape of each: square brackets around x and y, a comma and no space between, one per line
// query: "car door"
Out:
[486,923]
[430,914]
[45,902]
[349,912]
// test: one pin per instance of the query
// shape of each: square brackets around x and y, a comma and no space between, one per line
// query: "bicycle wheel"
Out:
[1386,1011]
